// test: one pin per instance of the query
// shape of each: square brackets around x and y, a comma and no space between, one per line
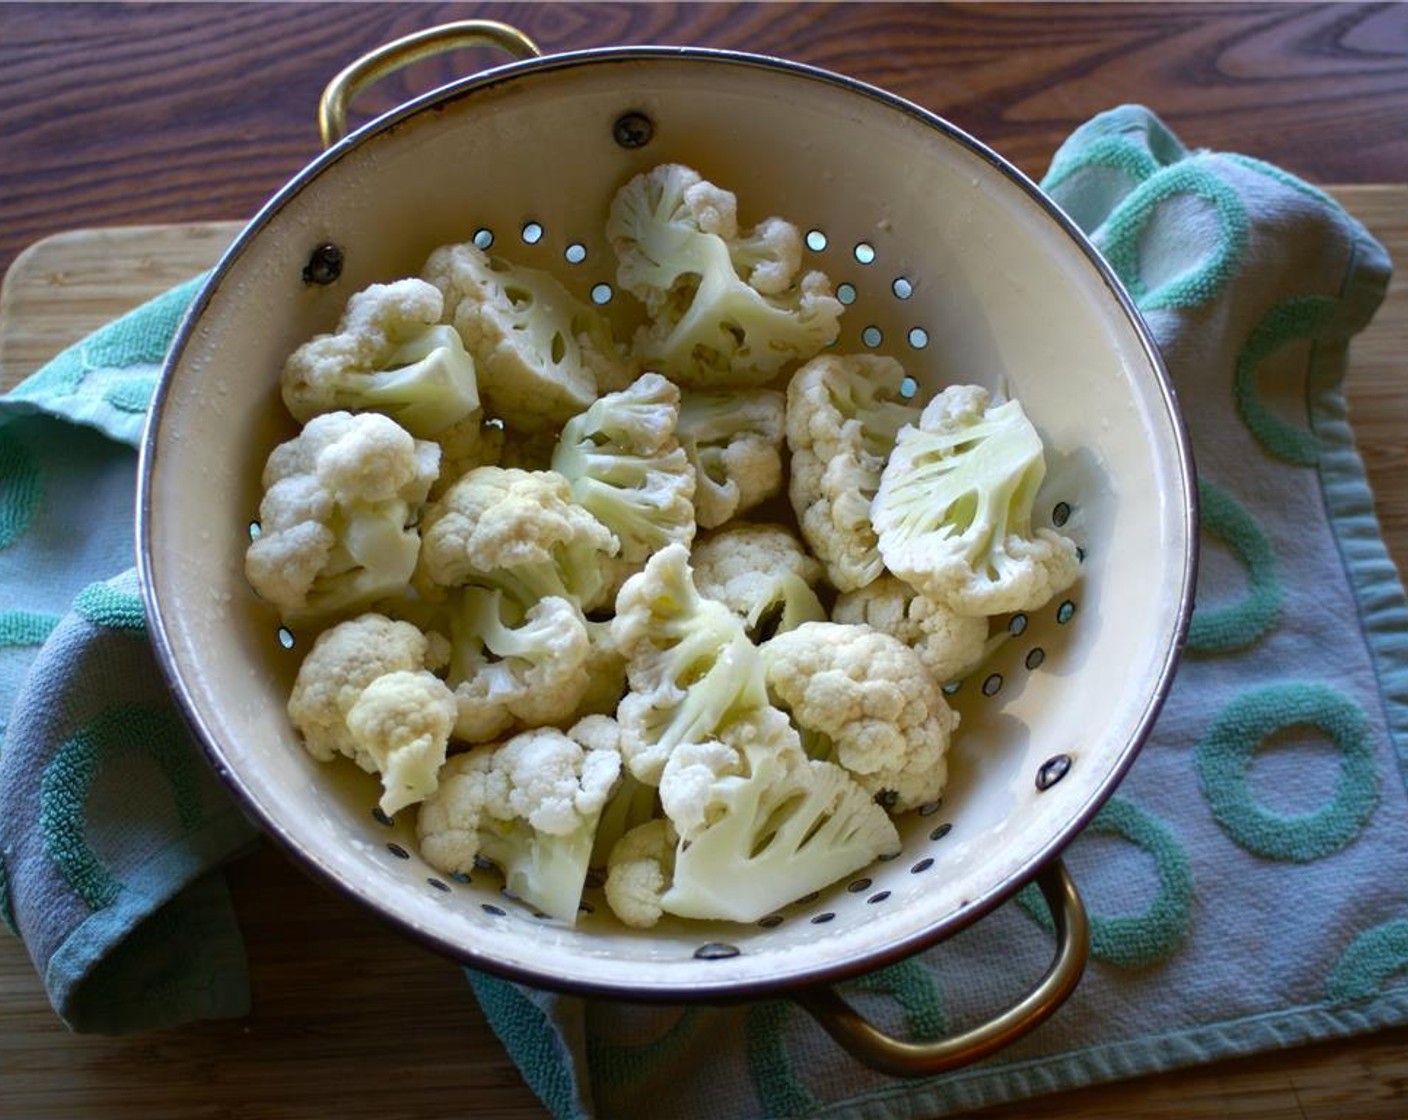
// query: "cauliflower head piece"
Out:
[541,353]
[365,691]
[870,705]
[734,443]
[950,644]
[761,572]
[337,519]
[843,412]
[953,512]
[391,353]
[530,805]
[725,309]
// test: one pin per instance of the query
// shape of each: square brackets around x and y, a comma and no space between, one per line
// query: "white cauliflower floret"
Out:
[542,354]
[473,442]
[842,415]
[337,517]
[953,511]
[516,530]
[734,442]
[761,572]
[869,699]
[627,469]
[689,664]
[725,309]
[365,691]
[391,353]
[527,670]
[951,645]
[529,805]
[638,872]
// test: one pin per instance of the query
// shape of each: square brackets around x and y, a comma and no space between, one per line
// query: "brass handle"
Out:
[898,1058]
[377,64]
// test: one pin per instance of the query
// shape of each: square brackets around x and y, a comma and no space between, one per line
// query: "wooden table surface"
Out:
[116,115]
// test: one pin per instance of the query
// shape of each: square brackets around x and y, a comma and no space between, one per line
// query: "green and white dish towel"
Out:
[1248,881]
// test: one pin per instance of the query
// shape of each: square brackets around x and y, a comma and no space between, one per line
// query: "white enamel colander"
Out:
[949,260]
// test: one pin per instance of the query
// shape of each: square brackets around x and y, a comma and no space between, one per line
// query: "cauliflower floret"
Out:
[542,354]
[951,645]
[391,353]
[689,663]
[875,707]
[734,442]
[529,805]
[365,691]
[842,415]
[337,517]
[473,442]
[753,824]
[527,671]
[724,310]
[627,469]
[760,572]
[954,507]
[520,531]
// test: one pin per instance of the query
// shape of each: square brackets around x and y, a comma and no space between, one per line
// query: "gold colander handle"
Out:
[918,1059]
[400,53]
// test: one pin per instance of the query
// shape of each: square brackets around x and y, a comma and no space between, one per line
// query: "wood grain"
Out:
[119,114]
[352,1020]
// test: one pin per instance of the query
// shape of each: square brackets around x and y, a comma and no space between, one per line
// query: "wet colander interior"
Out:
[947,261]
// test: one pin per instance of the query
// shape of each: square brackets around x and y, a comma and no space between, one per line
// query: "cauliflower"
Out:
[842,415]
[752,824]
[365,691]
[542,354]
[518,531]
[337,516]
[951,645]
[725,309]
[868,697]
[734,443]
[528,672]
[627,469]
[953,510]
[760,572]
[689,664]
[473,442]
[391,353]
[529,805]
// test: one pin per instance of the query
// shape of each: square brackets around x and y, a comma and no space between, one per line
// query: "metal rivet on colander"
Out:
[324,264]
[633,130]
[1052,771]
[716,951]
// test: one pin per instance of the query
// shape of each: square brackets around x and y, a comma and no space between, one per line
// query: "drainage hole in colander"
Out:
[1065,611]
[254,530]
[877,897]
[846,293]
[918,338]
[531,233]
[816,240]
[575,253]
[942,831]
[992,684]
[439,885]
[902,288]
[1035,657]
[398,851]
[865,252]
[483,238]
[716,951]
[772,921]
[951,687]
[872,336]
[1016,624]
[461,877]
[908,387]
[496,911]
[286,638]
[929,808]
[858,885]
[380,817]
[822,918]
[808,899]
[922,866]
[1060,514]
[601,294]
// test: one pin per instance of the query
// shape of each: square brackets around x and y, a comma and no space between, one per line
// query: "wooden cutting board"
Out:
[323,1021]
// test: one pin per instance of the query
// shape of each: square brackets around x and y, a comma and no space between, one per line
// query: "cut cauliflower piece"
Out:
[753,824]
[542,354]
[392,353]
[954,508]
[365,691]
[761,572]
[473,442]
[873,705]
[519,531]
[725,309]
[734,443]
[842,415]
[530,669]
[529,805]
[338,514]
[689,664]
[627,469]
[951,645]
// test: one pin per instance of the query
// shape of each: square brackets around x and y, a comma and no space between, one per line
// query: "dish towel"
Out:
[1248,881]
